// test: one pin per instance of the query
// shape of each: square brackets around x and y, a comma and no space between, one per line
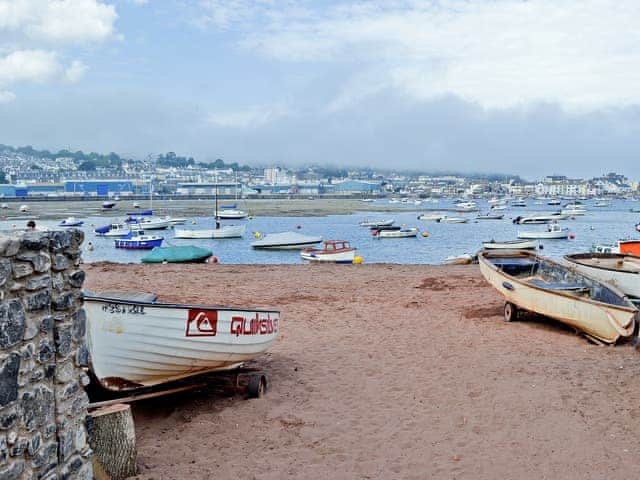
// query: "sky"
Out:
[531,87]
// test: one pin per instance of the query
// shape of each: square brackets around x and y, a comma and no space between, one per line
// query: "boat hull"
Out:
[555,235]
[346,256]
[227,231]
[513,245]
[629,247]
[602,321]
[404,233]
[130,244]
[141,344]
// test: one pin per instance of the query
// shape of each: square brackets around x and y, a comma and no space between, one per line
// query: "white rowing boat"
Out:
[511,245]
[540,285]
[135,341]
[552,232]
[286,241]
[224,231]
[621,271]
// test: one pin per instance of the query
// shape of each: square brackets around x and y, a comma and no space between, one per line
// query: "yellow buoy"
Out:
[425,234]
[193,222]
[257,235]
[357,260]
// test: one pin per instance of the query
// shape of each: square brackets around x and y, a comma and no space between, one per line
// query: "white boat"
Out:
[4,206]
[108,205]
[333,251]
[402,233]
[511,245]
[24,208]
[286,241]
[552,232]
[232,214]
[113,230]
[464,259]
[574,209]
[554,202]
[376,223]
[446,219]
[177,221]
[540,219]
[490,216]
[135,341]
[225,231]
[466,207]
[498,207]
[431,216]
[150,223]
[518,203]
[602,204]
[621,271]
[536,284]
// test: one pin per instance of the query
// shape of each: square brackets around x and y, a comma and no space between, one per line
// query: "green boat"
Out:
[181,254]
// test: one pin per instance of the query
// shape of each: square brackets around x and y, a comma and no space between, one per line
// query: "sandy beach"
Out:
[390,372]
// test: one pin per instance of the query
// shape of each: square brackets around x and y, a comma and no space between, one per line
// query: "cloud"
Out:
[75,71]
[28,65]
[6,96]
[249,118]
[140,2]
[499,54]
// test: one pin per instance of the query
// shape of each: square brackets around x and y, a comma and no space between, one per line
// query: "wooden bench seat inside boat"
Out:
[573,287]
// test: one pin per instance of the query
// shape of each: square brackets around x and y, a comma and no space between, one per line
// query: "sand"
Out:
[391,372]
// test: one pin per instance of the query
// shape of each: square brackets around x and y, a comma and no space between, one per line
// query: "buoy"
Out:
[213,259]
[572,237]
[357,260]
[374,232]
[257,235]
[298,227]
[425,234]
[193,222]
[541,247]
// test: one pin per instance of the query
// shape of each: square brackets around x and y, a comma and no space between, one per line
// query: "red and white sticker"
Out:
[202,323]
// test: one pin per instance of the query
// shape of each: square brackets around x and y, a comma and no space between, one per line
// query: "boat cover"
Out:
[179,254]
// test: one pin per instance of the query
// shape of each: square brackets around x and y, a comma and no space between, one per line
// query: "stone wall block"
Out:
[12,319]
[22,269]
[37,408]
[76,278]
[62,338]
[40,261]
[9,246]
[5,270]
[60,262]
[36,283]
[38,300]
[79,325]
[35,241]
[9,370]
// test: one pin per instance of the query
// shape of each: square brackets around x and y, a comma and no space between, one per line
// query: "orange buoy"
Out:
[213,259]
[572,237]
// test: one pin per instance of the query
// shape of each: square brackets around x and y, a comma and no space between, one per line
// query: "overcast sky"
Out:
[528,87]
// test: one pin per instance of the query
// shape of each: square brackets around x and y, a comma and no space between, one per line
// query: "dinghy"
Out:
[434,217]
[377,223]
[511,245]
[286,241]
[533,283]
[621,271]
[136,341]
[399,233]
[490,216]
[223,231]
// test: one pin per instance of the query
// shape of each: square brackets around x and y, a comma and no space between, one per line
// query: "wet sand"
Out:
[390,372]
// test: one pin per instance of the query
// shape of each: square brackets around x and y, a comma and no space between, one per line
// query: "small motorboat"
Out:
[286,241]
[334,251]
[433,217]
[553,232]
[466,207]
[71,222]
[24,208]
[518,203]
[224,231]
[138,240]
[554,202]
[537,284]
[399,233]
[511,245]
[574,209]
[113,230]
[135,341]
[540,219]
[446,219]
[231,214]
[149,222]
[177,221]
[377,223]
[178,254]
[108,205]
[490,216]
[621,271]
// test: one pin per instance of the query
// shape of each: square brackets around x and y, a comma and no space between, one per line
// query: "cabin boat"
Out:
[490,216]
[446,219]
[430,216]
[552,232]
[113,230]
[621,271]
[136,341]
[286,241]
[149,222]
[377,223]
[397,233]
[540,219]
[24,208]
[466,207]
[335,251]
[537,284]
[71,222]
[511,245]
[138,240]
[108,205]
[518,203]
[574,209]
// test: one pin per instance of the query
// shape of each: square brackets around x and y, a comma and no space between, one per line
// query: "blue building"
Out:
[103,187]
[356,186]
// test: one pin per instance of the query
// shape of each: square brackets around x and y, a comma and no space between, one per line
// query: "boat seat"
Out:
[574,287]
[128,295]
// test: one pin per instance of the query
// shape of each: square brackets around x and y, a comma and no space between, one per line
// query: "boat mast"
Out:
[217,217]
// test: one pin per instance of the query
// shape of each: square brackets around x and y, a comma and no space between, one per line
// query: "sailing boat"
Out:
[231,212]
[226,231]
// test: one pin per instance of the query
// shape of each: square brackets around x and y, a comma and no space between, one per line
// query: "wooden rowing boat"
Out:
[621,271]
[537,284]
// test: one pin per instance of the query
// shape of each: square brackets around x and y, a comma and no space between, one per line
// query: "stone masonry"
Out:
[43,404]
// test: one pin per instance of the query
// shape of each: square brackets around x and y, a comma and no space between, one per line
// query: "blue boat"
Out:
[140,213]
[138,240]
[70,222]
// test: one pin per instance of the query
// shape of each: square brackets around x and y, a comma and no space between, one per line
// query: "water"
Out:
[598,226]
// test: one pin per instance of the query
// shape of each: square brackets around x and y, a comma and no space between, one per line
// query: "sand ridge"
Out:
[390,371]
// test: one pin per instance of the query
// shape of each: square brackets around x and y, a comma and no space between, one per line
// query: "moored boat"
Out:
[464,259]
[543,286]
[376,223]
[71,222]
[540,219]
[552,232]
[335,251]
[446,219]
[621,271]
[224,231]
[399,233]
[232,214]
[286,241]
[113,230]
[135,341]
[511,245]
[149,222]
[108,205]
[490,216]
[138,240]
[430,216]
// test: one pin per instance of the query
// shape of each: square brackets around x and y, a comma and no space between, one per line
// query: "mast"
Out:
[217,217]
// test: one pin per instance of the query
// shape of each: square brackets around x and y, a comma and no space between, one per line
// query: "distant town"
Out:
[29,173]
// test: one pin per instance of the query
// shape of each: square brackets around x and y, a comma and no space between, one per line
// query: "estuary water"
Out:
[600,225]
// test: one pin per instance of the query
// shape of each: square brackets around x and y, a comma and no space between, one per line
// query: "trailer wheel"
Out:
[510,312]
[257,386]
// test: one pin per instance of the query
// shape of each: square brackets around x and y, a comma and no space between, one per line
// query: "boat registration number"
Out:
[120,308]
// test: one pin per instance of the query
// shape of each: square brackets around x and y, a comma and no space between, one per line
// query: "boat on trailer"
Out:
[335,251]
[621,271]
[533,283]
[136,341]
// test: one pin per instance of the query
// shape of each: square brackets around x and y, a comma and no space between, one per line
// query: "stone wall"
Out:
[43,404]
